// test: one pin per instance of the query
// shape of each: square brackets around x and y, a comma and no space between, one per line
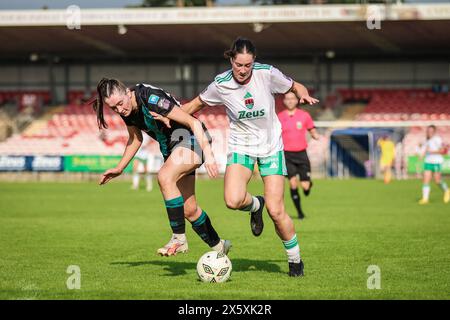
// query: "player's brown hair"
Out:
[240,45]
[105,88]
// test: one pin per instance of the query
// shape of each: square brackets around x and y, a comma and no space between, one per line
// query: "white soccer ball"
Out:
[214,267]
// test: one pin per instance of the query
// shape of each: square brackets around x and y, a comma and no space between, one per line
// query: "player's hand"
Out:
[109,174]
[161,118]
[309,100]
[211,167]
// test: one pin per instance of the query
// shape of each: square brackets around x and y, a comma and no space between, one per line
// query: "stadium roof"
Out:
[281,31]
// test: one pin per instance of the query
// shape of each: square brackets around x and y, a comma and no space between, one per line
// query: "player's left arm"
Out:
[180,116]
[302,93]
[314,134]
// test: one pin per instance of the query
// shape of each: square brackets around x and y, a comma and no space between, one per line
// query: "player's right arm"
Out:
[281,83]
[190,107]
[193,106]
[302,93]
[134,143]
[209,97]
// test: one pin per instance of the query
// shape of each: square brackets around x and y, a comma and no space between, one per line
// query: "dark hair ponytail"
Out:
[240,45]
[105,88]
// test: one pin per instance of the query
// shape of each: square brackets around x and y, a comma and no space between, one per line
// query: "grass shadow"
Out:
[176,268]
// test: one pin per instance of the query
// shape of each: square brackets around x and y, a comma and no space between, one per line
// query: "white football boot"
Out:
[174,246]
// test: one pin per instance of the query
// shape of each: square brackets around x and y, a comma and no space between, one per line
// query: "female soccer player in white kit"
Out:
[247,91]
[432,151]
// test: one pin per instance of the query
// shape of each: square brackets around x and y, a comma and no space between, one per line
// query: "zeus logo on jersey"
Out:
[251,114]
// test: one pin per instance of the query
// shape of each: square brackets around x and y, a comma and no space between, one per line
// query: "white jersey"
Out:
[254,126]
[433,144]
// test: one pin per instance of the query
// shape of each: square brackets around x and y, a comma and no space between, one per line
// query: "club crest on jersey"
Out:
[248,100]
[299,125]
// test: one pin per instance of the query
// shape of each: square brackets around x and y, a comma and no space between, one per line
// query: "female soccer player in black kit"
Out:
[181,143]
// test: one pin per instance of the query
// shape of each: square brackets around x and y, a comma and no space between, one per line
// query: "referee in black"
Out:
[295,123]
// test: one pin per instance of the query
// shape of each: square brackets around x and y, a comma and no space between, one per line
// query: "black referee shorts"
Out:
[297,163]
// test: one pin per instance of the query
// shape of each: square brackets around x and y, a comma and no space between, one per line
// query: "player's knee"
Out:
[233,202]
[293,183]
[276,210]
[305,185]
[164,180]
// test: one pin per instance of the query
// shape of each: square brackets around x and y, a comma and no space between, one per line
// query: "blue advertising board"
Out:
[31,163]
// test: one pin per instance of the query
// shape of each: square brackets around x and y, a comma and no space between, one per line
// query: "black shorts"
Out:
[297,163]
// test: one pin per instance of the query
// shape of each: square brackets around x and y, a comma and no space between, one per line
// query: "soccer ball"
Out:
[214,267]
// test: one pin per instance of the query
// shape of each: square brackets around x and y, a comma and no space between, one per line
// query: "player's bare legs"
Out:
[136,177]
[274,196]
[293,182]
[178,189]
[175,168]
[237,198]
[305,185]
[387,173]
[427,175]
[179,164]
[141,168]
[236,180]
[198,217]
[284,226]
[437,178]
[148,178]
[441,184]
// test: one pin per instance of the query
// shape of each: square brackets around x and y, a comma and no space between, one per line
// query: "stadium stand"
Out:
[73,129]
[379,105]
[23,98]
[399,104]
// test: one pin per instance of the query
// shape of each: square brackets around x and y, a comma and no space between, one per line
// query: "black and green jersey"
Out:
[154,99]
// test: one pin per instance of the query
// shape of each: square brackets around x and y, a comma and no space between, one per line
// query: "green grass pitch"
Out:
[112,234]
